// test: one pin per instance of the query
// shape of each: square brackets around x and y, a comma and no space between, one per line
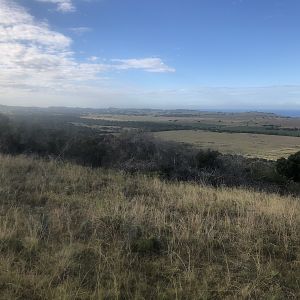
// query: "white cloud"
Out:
[30,32]
[93,58]
[62,5]
[80,30]
[13,14]
[147,64]
[33,57]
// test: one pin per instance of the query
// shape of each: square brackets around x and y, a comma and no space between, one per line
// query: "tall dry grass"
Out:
[69,232]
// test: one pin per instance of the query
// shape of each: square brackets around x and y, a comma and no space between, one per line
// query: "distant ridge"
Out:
[141,111]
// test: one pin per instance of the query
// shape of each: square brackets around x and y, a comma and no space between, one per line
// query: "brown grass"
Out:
[69,232]
[251,145]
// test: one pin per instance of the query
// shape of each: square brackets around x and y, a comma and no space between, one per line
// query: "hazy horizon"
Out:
[207,55]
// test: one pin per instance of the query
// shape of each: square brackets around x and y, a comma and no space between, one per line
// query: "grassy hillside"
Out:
[69,232]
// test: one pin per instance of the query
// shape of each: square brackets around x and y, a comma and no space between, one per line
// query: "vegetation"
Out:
[139,152]
[251,122]
[86,214]
[158,125]
[263,146]
[290,167]
[72,232]
[151,120]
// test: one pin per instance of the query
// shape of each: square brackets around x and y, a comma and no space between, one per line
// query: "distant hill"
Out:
[126,111]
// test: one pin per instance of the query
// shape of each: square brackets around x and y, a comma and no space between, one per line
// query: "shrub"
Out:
[290,167]
[207,159]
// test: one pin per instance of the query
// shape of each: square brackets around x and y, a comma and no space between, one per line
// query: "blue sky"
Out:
[235,54]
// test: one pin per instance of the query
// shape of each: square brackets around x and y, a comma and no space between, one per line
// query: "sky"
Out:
[194,54]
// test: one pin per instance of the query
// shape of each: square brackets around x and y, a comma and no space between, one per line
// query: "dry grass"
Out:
[251,145]
[69,232]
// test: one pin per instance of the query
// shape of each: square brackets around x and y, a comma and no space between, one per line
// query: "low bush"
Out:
[290,167]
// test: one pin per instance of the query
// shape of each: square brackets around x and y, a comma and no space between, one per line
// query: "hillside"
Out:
[71,232]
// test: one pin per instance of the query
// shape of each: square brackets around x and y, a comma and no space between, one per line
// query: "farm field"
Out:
[246,144]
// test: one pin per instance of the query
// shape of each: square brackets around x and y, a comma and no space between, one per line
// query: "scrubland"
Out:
[73,232]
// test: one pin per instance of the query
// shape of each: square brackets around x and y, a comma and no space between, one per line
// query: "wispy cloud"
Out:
[62,5]
[93,58]
[80,30]
[147,64]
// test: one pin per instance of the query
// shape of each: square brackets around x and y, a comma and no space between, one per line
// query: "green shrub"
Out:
[290,167]
[207,159]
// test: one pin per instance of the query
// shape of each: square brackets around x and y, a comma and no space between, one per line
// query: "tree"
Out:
[207,159]
[290,167]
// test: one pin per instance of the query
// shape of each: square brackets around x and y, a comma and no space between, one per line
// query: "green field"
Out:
[250,145]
